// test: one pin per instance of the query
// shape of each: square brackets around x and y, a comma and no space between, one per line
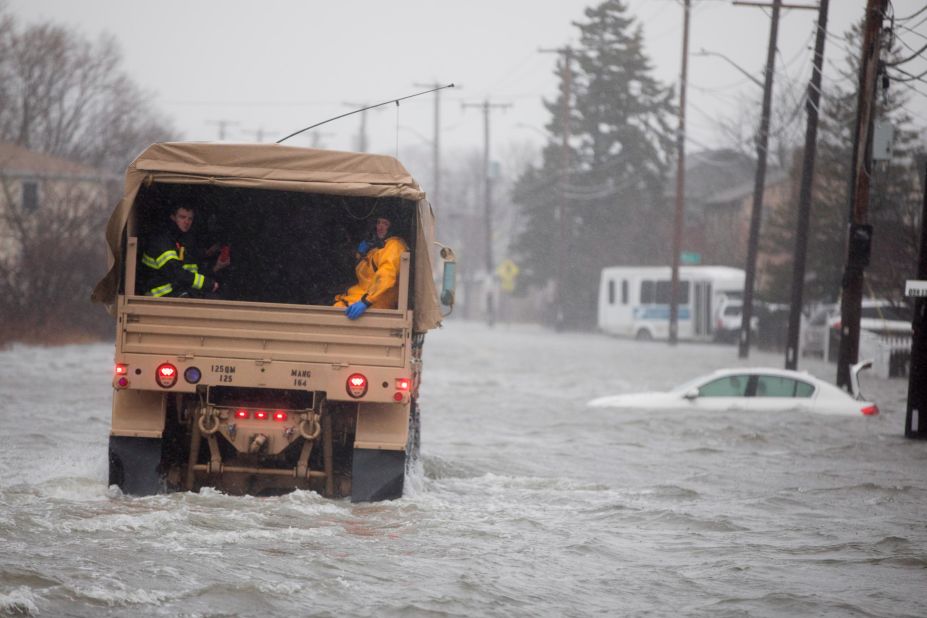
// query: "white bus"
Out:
[634,301]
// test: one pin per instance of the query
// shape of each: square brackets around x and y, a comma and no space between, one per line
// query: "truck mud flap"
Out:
[377,475]
[134,465]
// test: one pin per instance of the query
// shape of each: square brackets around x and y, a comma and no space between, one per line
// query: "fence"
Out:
[890,352]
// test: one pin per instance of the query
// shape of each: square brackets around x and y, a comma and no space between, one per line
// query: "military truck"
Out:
[266,387]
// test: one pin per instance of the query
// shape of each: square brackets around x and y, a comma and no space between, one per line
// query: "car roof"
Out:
[783,373]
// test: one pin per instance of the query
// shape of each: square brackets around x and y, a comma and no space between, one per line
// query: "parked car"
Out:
[876,315]
[755,390]
[729,318]
[880,316]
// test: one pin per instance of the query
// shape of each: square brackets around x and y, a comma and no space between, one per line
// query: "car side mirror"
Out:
[691,394]
[449,277]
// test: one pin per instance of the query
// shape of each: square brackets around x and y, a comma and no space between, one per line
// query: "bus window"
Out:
[648,293]
[664,292]
[624,291]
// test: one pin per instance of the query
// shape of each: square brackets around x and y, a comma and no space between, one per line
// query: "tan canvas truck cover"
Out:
[282,168]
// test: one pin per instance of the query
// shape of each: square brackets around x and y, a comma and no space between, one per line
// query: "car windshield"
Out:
[689,385]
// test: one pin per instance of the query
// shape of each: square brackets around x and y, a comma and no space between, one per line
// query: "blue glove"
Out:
[356,310]
[363,248]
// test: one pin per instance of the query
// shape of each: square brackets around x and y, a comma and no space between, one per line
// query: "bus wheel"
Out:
[643,335]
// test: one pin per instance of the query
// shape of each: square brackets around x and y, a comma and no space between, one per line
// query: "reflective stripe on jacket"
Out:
[164,271]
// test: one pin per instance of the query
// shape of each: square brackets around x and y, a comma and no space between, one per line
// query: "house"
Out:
[727,218]
[35,187]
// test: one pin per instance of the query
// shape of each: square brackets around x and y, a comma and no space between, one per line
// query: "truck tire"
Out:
[134,465]
[377,475]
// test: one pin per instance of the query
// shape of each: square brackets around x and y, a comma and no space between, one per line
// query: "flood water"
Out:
[525,501]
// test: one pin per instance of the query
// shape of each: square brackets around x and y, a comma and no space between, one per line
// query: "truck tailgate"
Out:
[234,329]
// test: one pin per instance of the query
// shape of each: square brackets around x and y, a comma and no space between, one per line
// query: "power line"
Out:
[910,76]
[913,15]
[914,56]
[923,36]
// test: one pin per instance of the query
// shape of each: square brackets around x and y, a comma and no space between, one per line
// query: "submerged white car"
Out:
[760,389]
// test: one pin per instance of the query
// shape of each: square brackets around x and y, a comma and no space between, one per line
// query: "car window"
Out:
[777,386]
[728,386]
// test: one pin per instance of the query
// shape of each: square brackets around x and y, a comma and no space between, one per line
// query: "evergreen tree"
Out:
[893,206]
[620,147]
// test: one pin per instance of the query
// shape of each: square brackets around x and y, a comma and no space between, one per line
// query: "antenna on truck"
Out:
[363,109]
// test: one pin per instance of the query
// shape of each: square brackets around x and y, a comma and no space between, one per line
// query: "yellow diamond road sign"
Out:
[507,269]
[507,272]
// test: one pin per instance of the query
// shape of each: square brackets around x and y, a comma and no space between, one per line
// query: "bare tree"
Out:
[50,260]
[65,96]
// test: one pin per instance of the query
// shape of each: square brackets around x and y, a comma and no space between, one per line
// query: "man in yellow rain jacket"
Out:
[377,273]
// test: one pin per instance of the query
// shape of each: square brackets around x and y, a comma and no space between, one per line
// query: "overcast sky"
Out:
[276,66]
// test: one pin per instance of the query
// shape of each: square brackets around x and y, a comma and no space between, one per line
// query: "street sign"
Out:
[690,257]
[916,288]
[507,271]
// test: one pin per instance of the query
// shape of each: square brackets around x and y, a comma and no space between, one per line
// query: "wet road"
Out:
[525,502]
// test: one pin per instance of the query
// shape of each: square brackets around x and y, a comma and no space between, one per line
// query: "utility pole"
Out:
[257,133]
[679,218]
[860,232]
[759,186]
[487,107]
[222,124]
[567,52]
[804,195]
[436,143]
[362,136]
[915,424]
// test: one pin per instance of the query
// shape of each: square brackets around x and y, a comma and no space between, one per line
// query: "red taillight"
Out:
[279,415]
[870,410]
[242,413]
[166,375]
[121,369]
[260,415]
[357,385]
[403,384]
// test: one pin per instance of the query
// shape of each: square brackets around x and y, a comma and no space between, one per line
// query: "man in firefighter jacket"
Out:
[169,267]
[377,273]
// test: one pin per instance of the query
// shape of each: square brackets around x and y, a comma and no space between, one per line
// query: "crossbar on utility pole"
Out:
[804,193]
